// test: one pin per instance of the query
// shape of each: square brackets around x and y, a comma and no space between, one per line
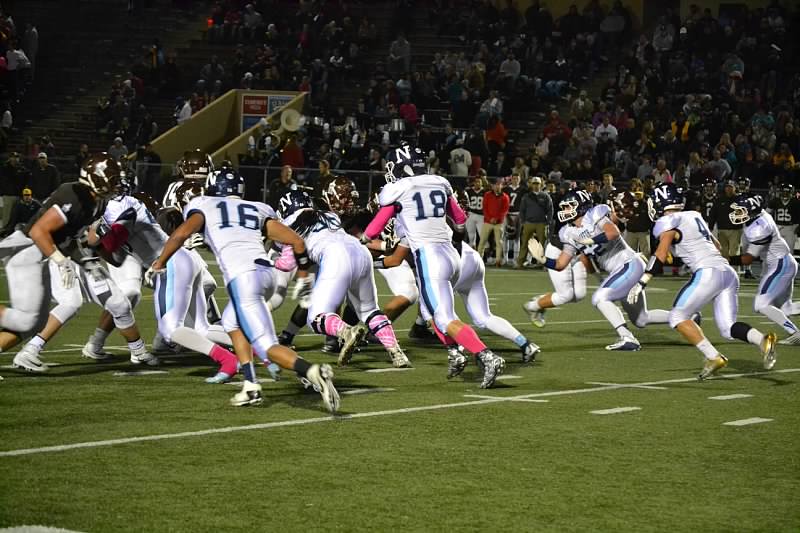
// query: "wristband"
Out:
[57,256]
[600,239]
[654,265]
[645,279]
[550,263]
[379,263]
[383,246]
[302,260]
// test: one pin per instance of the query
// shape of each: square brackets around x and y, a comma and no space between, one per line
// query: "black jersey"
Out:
[515,195]
[785,214]
[78,207]
[475,200]
[705,206]
[552,235]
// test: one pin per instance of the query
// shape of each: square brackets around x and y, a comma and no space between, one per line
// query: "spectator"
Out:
[607,190]
[44,178]
[460,159]
[638,226]
[14,177]
[399,56]
[118,150]
[30,44]
[535,214]
[183,111]
[212,71]
[279,187]
[661,174]
[252,22]
[21,213]
[149,169]
[496,205]
[719,168]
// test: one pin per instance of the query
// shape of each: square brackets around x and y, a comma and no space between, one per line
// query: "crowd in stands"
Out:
[18,50]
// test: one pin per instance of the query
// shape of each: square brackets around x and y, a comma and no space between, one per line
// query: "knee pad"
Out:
[579,293]
[600,295]
[133,296]
[65,311]
[564,297]
[121,310]
[229,320]
[276,300]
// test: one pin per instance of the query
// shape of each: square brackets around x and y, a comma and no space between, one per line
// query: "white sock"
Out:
[216,334]
[98,339]
[533,305]
[657,316]
[780,318]
[419,321]
[614,316]
[191,339]
[502,327]
[709,352]
[37,343]
[136,347]
[755,337]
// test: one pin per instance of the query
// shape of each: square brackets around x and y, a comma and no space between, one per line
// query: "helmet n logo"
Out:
[404,151]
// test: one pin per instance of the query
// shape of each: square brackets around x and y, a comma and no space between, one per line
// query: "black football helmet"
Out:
[786,192]
[575,204]
[742,185]
[625,205]
[293,201]
[746,207]
[710,188]
[665,196]
[195,165]
[101,173]
[404,161]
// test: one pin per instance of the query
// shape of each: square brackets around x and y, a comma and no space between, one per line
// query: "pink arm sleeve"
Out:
[286,261]
[455,212]
[379,222]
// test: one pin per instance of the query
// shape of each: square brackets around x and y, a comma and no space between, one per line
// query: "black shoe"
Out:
[285,339]
[749,275]
[331,344]
[422,334]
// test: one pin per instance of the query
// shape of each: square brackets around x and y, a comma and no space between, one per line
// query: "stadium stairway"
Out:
[84,47]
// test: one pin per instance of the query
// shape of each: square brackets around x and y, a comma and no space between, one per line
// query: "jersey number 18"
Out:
[437,199]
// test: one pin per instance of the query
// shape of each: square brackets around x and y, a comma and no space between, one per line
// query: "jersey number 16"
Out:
[248,216]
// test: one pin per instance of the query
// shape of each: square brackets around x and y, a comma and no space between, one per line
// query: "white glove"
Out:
[150,276]
[302,291]
[633,294]
[587,241]
[536,250]
[66,268]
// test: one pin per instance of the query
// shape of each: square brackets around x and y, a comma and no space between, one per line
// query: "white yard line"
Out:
[747,421]
[484,396]
[615,410]
[730,397]
[624,386]
[369,414]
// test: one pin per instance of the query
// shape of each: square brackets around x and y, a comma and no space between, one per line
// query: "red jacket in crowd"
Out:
[495,207]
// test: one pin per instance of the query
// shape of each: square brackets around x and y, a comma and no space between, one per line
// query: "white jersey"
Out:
[764,239]
[693,243]
[146,238]
[423,208]
[234,231]
[325,233]
[171,195]
[609,256]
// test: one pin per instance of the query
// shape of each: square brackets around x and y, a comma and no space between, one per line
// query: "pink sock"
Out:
[227,361]
[446,339]
[333,324]
[469,340]
[381,327]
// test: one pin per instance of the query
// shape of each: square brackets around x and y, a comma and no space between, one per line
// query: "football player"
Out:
[592,232]
[193,168]
[685,234]
[785,209]
[233,229]
[345,271]
[63,225]
[475,221]
[569,284]
[774,296]
[421,202]
[471,286]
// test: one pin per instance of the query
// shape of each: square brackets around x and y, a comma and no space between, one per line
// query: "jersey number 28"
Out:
[438,200]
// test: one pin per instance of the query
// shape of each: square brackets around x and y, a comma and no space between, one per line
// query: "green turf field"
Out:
[411,451]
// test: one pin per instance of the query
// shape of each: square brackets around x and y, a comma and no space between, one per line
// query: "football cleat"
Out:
[144,358]
[399,358]
[529,351]
[625,344]
[493,366]
[160,346]
[768,350]
[286,339]
[331,344]
[321,378]
[249,395]
[274,371]
[350,337]
[791,340]
[711,366]
[28,359]
[421,333]
[219,377]
[456,361]
[92,351]
[536,315]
